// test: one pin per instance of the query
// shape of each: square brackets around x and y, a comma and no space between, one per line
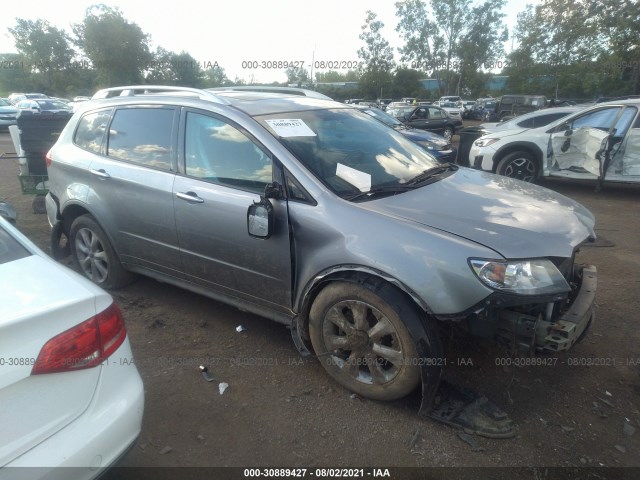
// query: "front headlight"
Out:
[485,142]
[524,277]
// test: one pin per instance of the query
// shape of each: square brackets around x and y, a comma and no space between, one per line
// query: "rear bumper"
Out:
[99,437]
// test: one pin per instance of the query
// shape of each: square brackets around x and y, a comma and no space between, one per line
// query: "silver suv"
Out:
[311,213]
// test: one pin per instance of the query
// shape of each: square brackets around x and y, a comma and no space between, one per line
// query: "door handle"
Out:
[190,197]
[100,173]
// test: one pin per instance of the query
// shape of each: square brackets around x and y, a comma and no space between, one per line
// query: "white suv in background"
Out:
[602,139]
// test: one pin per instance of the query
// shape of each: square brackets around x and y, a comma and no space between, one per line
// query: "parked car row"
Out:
[430,118]
[438,146]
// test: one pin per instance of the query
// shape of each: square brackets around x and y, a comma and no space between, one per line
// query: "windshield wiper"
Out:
[432,173]
[378,192]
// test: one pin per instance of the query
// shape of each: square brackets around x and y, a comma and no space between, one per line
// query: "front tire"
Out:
[448,133]
[94,256]
[362,342]
[520,165]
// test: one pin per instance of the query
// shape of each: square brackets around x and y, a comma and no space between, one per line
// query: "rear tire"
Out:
[94,256]
[362,342]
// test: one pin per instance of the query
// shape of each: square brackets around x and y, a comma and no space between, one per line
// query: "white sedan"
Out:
[70,394]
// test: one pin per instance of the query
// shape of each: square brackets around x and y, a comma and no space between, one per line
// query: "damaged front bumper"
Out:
[528,333]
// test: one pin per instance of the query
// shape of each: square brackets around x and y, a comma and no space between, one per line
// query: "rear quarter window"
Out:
[90,131]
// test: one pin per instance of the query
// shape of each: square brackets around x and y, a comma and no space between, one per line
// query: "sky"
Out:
[239,35]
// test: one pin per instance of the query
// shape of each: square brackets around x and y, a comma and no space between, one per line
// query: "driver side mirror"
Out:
[260,214]
[260,219]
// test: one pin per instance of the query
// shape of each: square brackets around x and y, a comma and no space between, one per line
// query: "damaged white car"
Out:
[601,142]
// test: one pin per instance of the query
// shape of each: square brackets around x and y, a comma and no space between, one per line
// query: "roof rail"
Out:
[132,90]
[272,89]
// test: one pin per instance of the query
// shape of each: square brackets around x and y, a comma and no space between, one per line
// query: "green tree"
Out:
[377,58]
[336,76]
[560,38]
[15,77]
[451,39]
[117,48]
[297,75]
[45,50]
[619,30]
[170,68]
[406,83]
[215,76]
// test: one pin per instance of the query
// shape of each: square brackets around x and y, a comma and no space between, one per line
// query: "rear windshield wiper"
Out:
[432,173]
[378,192]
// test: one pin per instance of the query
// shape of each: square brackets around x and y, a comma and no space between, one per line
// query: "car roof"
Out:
[261,101]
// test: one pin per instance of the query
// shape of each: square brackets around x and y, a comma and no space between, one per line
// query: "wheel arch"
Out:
[71,212]
[529,147]
[368,277]
[418,326]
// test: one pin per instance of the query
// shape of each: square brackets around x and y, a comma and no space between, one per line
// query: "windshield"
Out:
[349,151]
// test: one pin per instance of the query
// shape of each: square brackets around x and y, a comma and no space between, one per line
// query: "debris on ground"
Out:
[241,328]
[471,441]
[166,450]
[606,402]
[621,449]
[414,439]
[205,373]
[222,387]
[461,407]
[627,428]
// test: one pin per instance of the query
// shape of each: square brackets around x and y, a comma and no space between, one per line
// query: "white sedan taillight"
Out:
[84,346]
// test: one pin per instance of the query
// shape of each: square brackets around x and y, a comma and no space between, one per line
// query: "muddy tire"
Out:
[361,340]
[94,256]
[520,165]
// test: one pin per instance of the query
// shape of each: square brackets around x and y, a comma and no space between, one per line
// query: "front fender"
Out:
[518,146]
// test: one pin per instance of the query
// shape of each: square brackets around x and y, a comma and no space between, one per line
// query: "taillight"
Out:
[48,158]
[83,346]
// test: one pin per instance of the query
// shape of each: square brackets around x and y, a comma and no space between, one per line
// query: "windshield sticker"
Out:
[290,127]
[360,180]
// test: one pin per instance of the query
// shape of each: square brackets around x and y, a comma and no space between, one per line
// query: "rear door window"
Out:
[142,136]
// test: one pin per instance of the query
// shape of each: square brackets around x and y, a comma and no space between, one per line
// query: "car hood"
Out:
[513,218]
[8,109]
[500,133]
[422,135]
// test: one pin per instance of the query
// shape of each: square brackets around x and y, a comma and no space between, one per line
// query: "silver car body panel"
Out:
[420,240]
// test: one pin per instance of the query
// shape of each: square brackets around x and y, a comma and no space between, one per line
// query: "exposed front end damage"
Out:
[548,324]
[553,331]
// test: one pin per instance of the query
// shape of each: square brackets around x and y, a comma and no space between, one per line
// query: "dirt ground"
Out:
[280,410]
